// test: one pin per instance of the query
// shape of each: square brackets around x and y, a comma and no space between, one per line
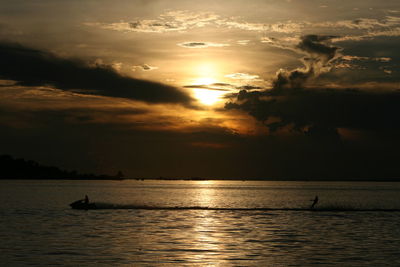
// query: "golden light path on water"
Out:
[207,240]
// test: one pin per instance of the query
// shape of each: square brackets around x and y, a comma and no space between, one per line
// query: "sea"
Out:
[199,223]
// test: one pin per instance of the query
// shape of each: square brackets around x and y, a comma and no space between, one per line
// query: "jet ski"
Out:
[82,205]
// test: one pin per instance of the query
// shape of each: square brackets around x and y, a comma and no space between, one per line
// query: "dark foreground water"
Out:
[161,223]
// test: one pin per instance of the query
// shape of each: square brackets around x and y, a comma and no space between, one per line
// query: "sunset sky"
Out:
[217,89]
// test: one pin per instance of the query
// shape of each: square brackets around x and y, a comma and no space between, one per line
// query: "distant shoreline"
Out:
[21,169]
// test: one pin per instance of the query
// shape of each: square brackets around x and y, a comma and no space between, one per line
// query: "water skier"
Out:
[315,201]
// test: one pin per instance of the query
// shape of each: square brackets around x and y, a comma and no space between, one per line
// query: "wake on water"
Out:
[330,208]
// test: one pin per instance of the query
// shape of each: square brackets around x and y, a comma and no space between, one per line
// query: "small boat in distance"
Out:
[82,205]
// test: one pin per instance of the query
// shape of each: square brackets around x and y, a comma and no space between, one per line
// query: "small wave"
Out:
[69,253]
[111,206]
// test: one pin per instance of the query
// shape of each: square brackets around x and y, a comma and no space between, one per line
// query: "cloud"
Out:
[353,58]
[367,28]
[243,42]
[325,110]
[172,21]
[201,44]
[287,43]
[229,23]
[63,138]
[31,67]
[346,61]
[74,116]
[209,87]
[144,67]
[249,87]
[359,24]
[147,26]
[349,30]
[280,27]
[197,19]
[390,32]
[224,87]
[363,23]
[242,76]
[319,112]
[290,27]
[117,65]
[316,46]
[181,21]
[346,65]
[319,53]
[286,27]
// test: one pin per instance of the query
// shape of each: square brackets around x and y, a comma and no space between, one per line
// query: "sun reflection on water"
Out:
[207,243]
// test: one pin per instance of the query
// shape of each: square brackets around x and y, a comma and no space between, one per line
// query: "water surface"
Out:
[247,223]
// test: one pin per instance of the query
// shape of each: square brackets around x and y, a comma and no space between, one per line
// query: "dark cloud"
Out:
[144,67]
[367,61]
[319,112]
[213,86]
[193,44]
[249,87]
[82,139]
[314,45]
[138,25]
[201,44]
[105,140]
[223,87]
[30,118]
[322,112]
[319,53]
[63,138]
[31,67]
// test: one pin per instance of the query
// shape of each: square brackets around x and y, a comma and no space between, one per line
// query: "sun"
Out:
[208,97]
[204,80]
[205,94]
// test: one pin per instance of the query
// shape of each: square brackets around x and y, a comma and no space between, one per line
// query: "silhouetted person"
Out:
[315,201]
[86,200]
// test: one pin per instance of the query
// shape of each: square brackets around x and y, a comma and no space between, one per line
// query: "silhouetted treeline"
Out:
[11,168]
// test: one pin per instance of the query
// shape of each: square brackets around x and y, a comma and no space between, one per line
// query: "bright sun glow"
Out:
[208,97]
[206,74]
[204,81]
